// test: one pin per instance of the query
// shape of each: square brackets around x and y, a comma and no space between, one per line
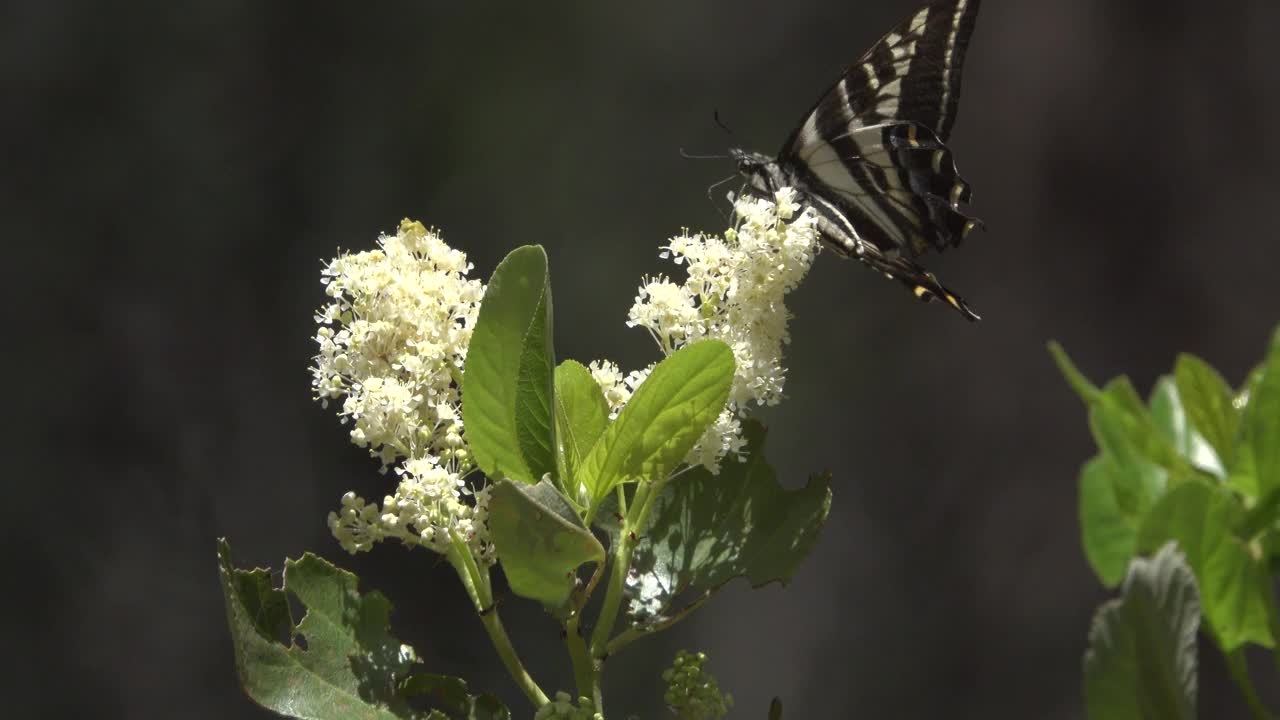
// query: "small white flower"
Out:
[391,345]
[734,291]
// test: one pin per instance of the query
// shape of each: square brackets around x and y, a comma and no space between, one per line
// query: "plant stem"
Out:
[618,575]
[502,643]
[583,669]
[1239,668]
[631,634]
[476,582]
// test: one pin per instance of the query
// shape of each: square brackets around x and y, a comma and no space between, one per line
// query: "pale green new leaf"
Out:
[1109,535]
[663,420]
[582,414]
[1234,585]
[1206,398]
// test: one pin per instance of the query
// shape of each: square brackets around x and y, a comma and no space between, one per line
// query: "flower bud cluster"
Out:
[692,693]
[563,708]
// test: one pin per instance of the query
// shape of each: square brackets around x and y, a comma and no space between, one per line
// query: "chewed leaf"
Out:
[706,529]
[450,698]
[339,663]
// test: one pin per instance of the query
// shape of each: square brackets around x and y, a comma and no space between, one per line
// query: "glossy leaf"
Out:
[1234,585]
[704,530]
[1141,663]
[1170,418]
[663,420]
[507,383]
[540,541]
[1262,421]
[339,663]
[1109,535]
[1206,398]
[582,414]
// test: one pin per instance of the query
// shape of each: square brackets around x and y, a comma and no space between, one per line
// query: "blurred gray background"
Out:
[176,172]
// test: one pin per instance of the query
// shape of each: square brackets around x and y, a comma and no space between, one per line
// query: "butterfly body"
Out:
[870,156]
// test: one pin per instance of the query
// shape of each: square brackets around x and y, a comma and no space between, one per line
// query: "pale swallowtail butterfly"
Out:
[871,158]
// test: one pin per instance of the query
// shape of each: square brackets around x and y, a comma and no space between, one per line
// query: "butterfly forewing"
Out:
[871,157]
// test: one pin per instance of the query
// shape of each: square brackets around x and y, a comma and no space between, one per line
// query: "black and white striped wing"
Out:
[873,147]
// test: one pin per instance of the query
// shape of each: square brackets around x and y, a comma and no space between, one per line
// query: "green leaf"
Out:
[775,709]
[507,380]
[1262,421]
[540,541]
[1128,432]
[1138,481]
[1141,663]
[582,414]
[339,663]
[1170,418]
[1085,389]
[1234,585]
[1206,397]
[452,699]
[705,530]
[663,420]
[1109,535]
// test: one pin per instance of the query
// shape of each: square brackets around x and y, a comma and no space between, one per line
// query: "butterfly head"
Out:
[760,171]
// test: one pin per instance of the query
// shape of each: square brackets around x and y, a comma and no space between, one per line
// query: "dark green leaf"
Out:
[1141,663]
[1234,586]
[1110,536]
[705,530]
[451,698]
[1206,397]
[540,541]
[582,414]
[346,666]
[663,420]
[507,383]
[1262,421]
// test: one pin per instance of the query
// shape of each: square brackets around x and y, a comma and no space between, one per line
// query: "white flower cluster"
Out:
[427,506]
[734,291]
[392,344]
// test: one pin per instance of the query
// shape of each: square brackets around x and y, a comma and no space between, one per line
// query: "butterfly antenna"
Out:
[689,156]
[713,200]
[716,114]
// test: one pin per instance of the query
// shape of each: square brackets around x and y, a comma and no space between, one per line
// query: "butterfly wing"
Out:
[874,145]
[912,74]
